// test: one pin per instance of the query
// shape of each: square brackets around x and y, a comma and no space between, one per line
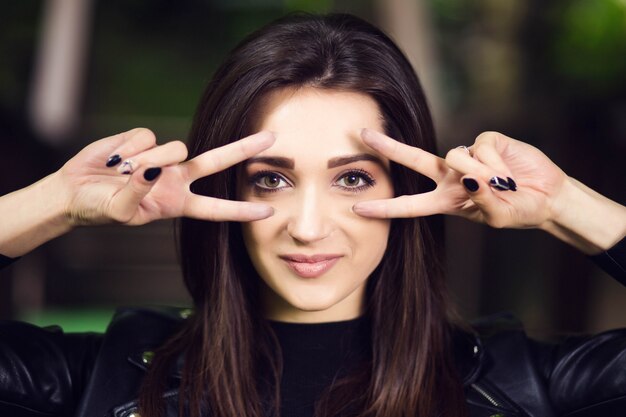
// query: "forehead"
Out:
[311,123]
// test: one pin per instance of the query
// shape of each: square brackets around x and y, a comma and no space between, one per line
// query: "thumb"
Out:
[125,203]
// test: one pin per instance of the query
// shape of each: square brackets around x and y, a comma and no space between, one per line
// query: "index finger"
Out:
[219,159]
[411,157]
[216,209]
[404,206]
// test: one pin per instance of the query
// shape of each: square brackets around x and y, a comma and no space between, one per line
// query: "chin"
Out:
[322,301]
[312,304]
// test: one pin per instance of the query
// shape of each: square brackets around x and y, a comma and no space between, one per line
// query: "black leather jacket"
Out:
[46,373]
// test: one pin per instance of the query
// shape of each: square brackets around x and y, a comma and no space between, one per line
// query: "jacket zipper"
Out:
[484,394]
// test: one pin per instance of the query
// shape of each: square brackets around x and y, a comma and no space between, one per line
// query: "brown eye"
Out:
[268,181]
[355,180]
[271,181]
[352,180]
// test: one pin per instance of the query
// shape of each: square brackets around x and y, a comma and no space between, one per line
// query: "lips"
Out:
[310,266]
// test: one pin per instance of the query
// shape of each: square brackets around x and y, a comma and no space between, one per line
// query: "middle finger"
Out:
[218,159]
[411,157]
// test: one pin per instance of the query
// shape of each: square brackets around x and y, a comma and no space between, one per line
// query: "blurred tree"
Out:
[550,73]
[589,45]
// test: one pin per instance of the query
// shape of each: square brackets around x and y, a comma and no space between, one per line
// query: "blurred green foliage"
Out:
[153,58]
[72,320]
[589,46]
[576,48]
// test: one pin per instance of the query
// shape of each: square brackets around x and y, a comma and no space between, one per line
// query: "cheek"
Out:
[252,236]
[368,240]
[260,235]
[371,238]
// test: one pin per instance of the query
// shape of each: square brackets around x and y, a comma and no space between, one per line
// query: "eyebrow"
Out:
[344,160]
[275,161]
[288,163]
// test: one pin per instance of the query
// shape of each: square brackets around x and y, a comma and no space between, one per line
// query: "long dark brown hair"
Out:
[228,347]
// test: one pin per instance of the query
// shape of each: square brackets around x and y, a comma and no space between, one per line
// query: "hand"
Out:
[158,187]
[537,182]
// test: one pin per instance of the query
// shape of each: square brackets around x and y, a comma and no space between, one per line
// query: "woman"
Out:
[308,298]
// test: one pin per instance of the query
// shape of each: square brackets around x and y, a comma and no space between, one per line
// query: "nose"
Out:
[309,221]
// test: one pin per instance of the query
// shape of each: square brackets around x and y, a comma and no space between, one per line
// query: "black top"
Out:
[6,261]
[315,355]
[608,261]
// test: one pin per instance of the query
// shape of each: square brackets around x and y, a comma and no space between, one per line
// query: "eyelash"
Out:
[360,173]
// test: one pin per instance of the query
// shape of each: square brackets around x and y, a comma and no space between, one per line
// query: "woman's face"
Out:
[315,254]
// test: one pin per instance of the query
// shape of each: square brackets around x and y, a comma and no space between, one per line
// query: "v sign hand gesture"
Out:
[502,182]
[97,193]
[127,179]
[473,182]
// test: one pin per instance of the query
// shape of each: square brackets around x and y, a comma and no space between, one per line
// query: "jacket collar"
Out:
[468,354]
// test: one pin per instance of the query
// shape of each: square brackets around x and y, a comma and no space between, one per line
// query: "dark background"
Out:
[551,73]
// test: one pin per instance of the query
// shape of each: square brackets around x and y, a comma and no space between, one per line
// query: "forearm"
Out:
[31,216]
[585,219]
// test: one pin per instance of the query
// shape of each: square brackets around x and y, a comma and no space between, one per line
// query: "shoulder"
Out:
[126,352]
[137,325]
[479,344]
[537,378]
[504,376]
[136,330]
[161,316]
[43,371]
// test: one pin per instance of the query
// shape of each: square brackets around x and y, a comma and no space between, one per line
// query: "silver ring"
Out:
[465,148]
[127,167]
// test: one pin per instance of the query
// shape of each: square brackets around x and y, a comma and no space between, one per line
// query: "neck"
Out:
[276,308]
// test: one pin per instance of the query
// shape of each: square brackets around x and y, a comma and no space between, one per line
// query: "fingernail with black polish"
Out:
[470,184]
[151,173]
[113,160]
[499,184]
[512,184]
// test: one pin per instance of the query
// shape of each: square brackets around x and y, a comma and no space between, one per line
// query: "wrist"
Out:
[32,216]
[56,212]
[585,219]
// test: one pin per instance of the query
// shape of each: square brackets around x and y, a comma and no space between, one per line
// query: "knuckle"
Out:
[180,148]
[144,134]
[495,221]
[214,163]
[137,185]
[138,140]
[407,203]
[411,205]
[479,151]
[451,154]
[416,159]
[118,213]
[211,208]
[246,148]
[241,146]
[487,136]
[454,157]
[393,147]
